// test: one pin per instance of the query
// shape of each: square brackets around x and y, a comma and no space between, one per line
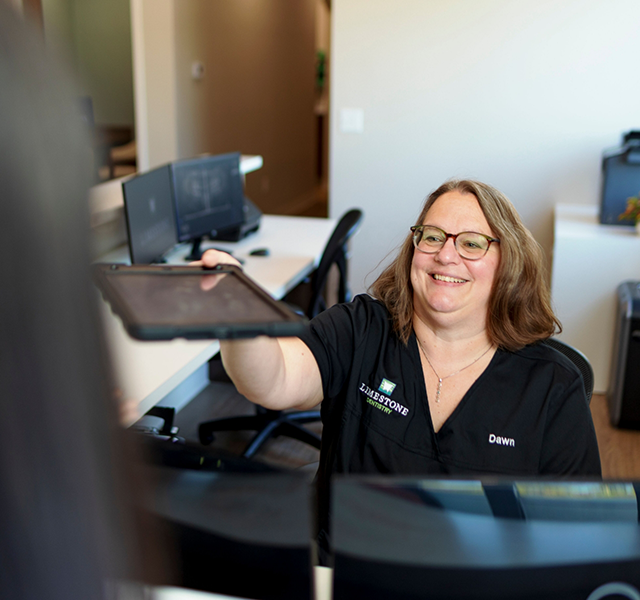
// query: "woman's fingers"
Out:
[212,258]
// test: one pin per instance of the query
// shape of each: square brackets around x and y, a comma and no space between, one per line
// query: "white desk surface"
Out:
[322,582]
[589,262]
[175,593]
[147,371]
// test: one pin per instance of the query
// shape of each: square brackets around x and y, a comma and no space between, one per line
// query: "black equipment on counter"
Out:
[620,179]
[623,395]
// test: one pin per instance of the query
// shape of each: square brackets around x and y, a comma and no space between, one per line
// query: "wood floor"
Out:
[619,448]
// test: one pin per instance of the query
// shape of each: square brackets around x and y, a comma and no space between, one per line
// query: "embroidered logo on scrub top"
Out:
[387,387]
[382,402]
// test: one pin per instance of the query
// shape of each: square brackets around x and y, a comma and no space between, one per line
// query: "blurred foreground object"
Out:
[67,531]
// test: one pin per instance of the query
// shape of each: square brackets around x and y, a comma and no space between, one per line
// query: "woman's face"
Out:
[448,288]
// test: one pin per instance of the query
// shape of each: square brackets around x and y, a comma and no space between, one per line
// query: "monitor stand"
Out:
[196,252]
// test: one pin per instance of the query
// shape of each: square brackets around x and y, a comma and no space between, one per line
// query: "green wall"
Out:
[94,36]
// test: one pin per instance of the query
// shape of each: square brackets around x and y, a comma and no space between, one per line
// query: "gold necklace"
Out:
[441,379]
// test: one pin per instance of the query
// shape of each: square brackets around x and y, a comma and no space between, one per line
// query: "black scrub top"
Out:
[526,415]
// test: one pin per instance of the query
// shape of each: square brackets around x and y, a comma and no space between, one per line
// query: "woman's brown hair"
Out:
[519,310]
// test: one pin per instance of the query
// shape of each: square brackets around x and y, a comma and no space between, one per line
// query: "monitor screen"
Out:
[494,538]
[151,225]
[209,195]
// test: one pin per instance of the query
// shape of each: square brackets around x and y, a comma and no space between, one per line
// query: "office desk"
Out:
[148,372]
[589,262]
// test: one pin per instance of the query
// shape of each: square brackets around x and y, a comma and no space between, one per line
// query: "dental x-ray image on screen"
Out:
[209,197]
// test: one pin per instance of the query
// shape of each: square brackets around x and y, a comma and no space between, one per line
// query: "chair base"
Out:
[267,424]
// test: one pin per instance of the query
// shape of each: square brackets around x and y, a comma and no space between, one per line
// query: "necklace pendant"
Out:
[440,379]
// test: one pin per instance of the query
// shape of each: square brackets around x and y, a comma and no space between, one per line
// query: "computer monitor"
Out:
[493,539]
[209,196]
[243,534]
[150,217]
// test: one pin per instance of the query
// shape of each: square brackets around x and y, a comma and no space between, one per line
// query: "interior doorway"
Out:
[320,208]
[251,97]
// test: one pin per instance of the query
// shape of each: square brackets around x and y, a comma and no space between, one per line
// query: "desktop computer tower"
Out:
[251,223]
[623,395]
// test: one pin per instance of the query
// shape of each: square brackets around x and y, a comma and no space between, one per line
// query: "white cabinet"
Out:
[589,261]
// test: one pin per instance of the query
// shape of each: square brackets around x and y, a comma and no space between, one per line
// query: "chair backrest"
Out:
[335,252]
[579,360]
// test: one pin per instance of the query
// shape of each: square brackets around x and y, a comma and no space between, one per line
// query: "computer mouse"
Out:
[259,252]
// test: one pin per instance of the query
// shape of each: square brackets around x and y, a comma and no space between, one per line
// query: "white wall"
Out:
[154,74]
[522,94]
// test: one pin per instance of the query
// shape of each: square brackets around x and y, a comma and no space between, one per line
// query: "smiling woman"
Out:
[520,310]
[440,371]
[450,289]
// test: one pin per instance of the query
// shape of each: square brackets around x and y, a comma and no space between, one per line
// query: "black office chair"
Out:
[578,359]
[335,253]
[273,423]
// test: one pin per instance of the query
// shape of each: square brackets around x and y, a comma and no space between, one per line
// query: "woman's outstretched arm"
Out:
[277,373]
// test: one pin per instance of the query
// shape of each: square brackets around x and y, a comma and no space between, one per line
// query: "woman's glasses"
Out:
[469,244]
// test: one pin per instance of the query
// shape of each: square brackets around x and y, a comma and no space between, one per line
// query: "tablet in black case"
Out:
[166,302]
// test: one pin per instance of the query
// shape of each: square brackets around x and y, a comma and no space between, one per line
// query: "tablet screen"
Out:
[166,302]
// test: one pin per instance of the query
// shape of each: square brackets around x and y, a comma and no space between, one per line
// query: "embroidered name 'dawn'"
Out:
[501,441]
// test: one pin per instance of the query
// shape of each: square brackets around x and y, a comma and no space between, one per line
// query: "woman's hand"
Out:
[210,259]
[128,411]
[278,373]
[213,258]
